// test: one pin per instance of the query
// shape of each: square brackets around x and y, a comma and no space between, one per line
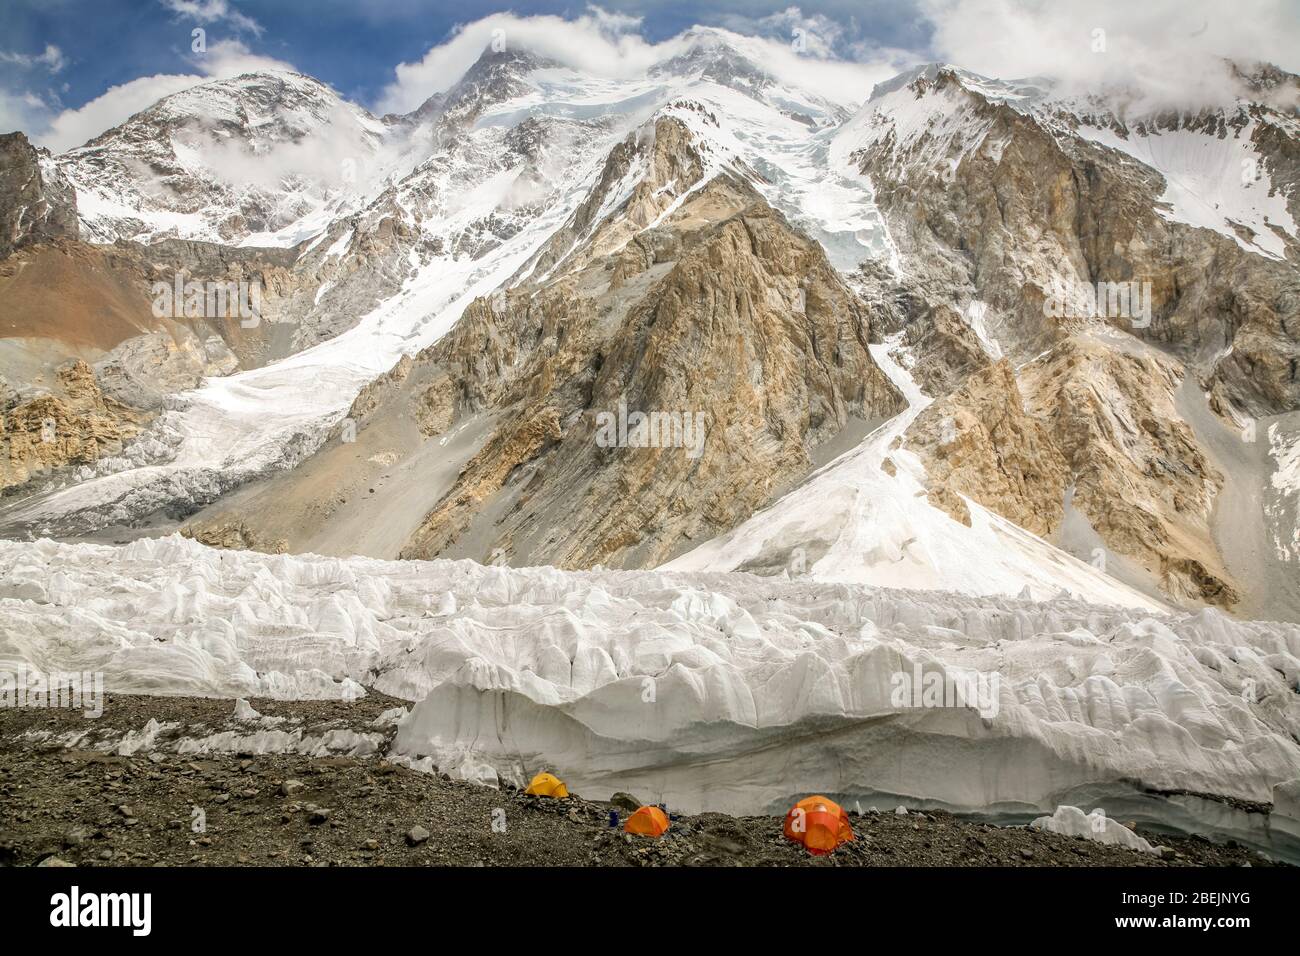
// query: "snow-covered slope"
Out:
[1217,167]
[1215,176]
[940,120]
[510,155]
[475,211]
[266,158]
[726,692]
[859,520]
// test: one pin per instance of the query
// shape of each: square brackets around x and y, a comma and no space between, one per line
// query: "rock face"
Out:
[716,352]
[1140,476]
[71,425]
[944,347]
[143,371]
[1100,427]
[668,361]
[36,201]
[1011,207]
[662,163]
[494,77]
[1012,211]
[67,301]
[981,442]
[234,536]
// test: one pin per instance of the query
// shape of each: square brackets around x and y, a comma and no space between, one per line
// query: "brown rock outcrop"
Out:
[71,425]
[235,536]
[742,327]
[1006,206]
[1140,477]
[1101,421]
[980,442]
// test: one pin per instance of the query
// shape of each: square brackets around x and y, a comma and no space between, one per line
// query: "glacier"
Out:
[707,691]
[695,684]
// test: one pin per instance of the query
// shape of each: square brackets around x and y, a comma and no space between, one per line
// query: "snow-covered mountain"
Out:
[511,151]
[1229,168]
[469,190]
[888,318]
[264,158]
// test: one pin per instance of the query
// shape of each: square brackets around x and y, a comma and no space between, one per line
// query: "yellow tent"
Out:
[547,785]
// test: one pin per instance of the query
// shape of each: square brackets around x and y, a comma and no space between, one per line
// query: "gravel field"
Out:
[83,802]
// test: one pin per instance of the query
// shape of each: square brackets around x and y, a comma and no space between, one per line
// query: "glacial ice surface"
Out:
[723,691]
[1071,821]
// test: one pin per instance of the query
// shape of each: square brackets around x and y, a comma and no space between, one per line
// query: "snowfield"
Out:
[708,691]
[1214,182]
[859,524]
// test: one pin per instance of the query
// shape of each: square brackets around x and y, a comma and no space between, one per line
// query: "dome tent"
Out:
[547,785]
[819,823]
[648,821]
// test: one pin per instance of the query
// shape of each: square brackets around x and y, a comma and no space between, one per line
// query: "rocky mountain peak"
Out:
[711,56]
[928,77]
[496,76]
[494,64]
[36,201]
[266,104]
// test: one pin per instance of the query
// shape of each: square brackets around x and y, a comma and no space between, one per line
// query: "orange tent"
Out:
[819,824]
[648,821]
[547,785]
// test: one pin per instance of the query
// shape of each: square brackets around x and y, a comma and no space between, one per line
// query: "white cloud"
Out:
[1172,50]
[21,111]
[597,42]
[214,11]
[820,34]
[74,127]
[317,159]
[51,58]
[228,58]
[608,45]
[814,69]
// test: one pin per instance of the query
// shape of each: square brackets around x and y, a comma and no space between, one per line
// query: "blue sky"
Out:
[71,68]
[353,45]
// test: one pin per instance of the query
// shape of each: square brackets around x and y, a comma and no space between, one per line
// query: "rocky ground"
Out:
[71,792]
